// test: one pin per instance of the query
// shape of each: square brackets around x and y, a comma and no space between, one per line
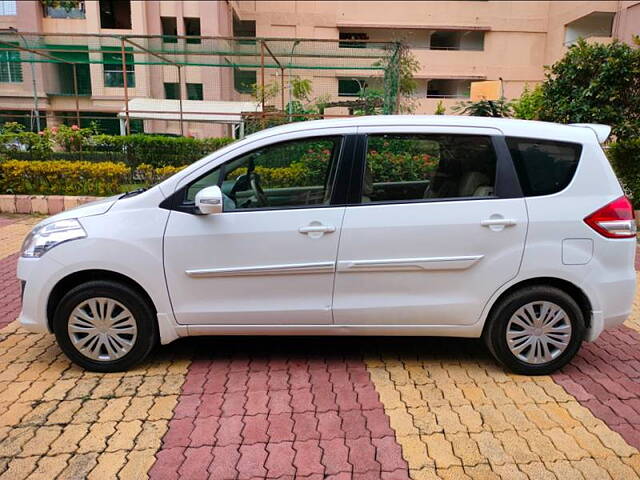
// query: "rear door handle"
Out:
[317,229]
[498,222]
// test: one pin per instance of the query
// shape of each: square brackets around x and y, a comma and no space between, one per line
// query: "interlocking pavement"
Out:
[312,408]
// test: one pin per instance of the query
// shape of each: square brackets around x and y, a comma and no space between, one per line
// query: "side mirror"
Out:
[209,200]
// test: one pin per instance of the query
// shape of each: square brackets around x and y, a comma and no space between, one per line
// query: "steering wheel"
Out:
[254,181]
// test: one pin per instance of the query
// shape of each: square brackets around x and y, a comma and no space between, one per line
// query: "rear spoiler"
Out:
[602,131]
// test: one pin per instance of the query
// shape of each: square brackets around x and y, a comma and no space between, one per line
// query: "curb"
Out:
[42,204]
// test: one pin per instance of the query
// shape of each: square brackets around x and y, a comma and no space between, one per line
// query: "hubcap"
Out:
[102,329]
[538,332]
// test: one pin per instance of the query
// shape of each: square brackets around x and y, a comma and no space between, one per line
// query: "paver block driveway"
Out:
[326,408]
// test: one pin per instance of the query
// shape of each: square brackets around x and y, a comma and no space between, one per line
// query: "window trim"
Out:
[340,185]
[506,181]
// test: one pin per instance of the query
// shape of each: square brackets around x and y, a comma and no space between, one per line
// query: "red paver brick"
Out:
[305,426]
[280,427]
[255,429]
[168,461]
[230,431]
[302,400]
[210,405]
[279,402]
[233,403]
[252,460]
[237,381]
[224,462]
[257,402]
[362,455]
[258,381]
[279,462]
[324,399]
[204,432]
[329,425]
[188,406]
[214,384]
[307,458]
[335,457]
[377,423]
[196,462]
[346,398]
[194,383]
[354,424]
[278,380]
[178,433]
[389,454]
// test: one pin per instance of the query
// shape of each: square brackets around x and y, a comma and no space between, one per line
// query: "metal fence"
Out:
[190,85]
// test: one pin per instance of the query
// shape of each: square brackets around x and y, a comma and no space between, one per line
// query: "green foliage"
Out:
[74,143]
[76,178]
[400,69]
[301,89]
[484,108]
[528,106]
[624,156]
[595,83]
[440,109]
[372,102]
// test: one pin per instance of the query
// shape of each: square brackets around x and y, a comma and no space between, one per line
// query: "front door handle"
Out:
[317,229]
[498,222]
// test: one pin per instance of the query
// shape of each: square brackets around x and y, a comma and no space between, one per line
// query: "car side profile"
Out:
[514,231]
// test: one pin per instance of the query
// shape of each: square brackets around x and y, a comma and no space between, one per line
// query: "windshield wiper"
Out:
[132,193]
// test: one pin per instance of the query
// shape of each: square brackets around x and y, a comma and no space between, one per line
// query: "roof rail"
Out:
[602,131]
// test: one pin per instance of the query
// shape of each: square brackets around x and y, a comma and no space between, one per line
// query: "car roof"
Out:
[508,126]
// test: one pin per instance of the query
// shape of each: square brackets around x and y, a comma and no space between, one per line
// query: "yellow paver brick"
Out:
[513,416]
[414,451]
[137,464]
[425,473]
[634,462]
[564,470]
[410,395]
[509,471]
[491,448]
[538,416]
[109,464]
[96,438]
[162,407]
[493,419]
[89,411]
[542,446]
[114,409]
[401,422]
[566,444]
[11,444]
[452,473]
[425,420]
[41,441]
[150,386]
[14,391]
[591,470]
[616,467]
[19,468]
[589,442]
[79,466]
[440,449]
[68,441]
[138,409]
[125,435]
[466,449]
[64,412]
[15,413]
[469,417]
[105,388]
[517,447]
[40,412]
[59,390]
[448,419]
[475,395]
[613,440]
[515,392]
[151,435]
[481,472]
[50,467]
[538,471]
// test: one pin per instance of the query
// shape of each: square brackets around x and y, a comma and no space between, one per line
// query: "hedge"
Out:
[68,143]
[624,156]
[75,178]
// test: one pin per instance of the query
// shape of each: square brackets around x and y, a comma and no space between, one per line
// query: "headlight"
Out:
[43,239]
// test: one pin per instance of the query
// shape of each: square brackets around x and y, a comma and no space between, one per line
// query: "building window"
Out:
[8,8]
[244,28]
[169,29]
[78,54]
[113,76]
[457,40]
[76,11]
[350,87]
[596,24]
[171,91]
[10,67]
[352,36]
[244,80]
[115,14]
[192,28]
[448,88]
[194,91]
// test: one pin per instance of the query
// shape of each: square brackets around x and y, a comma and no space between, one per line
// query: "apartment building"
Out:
[456,43]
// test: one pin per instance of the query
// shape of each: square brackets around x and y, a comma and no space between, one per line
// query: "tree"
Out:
[595,83]
[400,67]
[528,106]
[440,109]
[484,108]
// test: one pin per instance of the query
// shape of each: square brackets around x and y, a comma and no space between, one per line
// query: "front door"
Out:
[269,258]
[435,232]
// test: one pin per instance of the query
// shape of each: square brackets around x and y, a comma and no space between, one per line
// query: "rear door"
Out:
[436,224]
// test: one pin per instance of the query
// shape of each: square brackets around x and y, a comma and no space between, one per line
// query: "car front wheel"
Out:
[105,326]
[535,331]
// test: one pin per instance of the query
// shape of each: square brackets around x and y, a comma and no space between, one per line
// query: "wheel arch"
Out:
[77,278]
[566,286]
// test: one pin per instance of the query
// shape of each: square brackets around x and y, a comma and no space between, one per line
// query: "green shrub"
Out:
[624,156]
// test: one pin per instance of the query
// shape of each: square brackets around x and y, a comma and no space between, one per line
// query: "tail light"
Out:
[614,220]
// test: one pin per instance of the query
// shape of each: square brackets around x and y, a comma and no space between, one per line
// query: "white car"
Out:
[514,231]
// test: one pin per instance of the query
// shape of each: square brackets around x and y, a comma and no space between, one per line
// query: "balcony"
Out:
[594,25]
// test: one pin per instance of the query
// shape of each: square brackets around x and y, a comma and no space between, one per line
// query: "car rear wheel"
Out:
[535,331]
[105,326]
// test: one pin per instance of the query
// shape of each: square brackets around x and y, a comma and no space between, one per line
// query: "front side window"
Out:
[543,166]
[432,166]
[291,174]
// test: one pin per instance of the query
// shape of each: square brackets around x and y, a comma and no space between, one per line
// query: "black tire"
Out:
[143,313]
[495,334]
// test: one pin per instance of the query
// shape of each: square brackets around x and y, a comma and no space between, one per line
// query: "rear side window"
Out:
[413,167]
[543,166]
